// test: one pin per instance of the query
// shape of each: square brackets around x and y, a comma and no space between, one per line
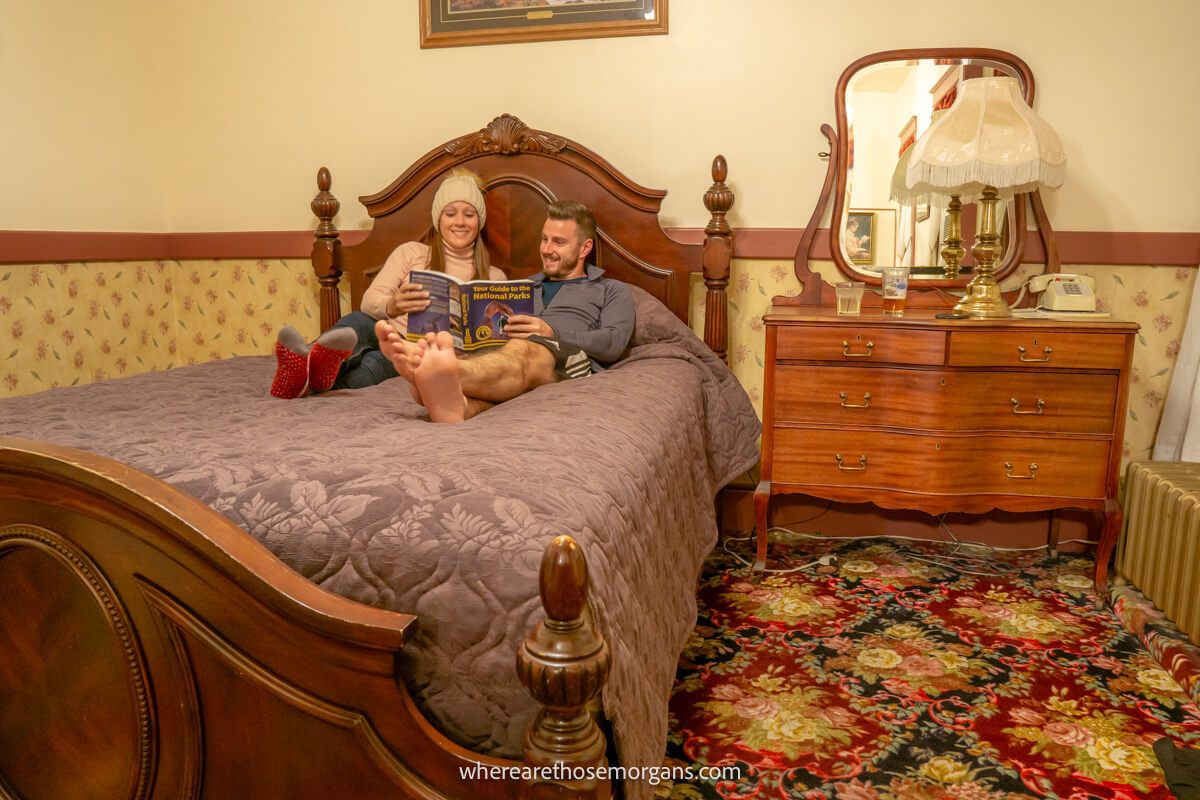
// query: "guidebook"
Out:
[474,312]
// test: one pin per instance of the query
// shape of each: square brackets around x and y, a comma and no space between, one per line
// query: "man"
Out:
[584,322]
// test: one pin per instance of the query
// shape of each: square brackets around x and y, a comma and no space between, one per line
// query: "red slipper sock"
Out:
[328,353]
[291,367]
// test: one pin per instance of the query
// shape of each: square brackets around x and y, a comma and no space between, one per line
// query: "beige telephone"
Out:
[1061,291]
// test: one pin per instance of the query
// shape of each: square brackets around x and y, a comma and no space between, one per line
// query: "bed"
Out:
[207,592]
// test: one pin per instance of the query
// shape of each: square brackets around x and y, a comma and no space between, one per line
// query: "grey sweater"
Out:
[595,315]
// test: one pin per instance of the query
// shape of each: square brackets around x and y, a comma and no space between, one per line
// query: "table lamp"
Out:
[952,250]
[989,144]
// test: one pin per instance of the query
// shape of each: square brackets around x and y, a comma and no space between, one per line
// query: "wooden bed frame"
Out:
[522,169]
[150,648]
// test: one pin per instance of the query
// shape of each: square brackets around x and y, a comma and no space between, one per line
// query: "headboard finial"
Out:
[718,199]
[327,249]
[718,253]
[325,206]
[719,169]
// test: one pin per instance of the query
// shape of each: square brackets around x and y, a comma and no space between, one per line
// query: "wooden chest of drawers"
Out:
[938,415]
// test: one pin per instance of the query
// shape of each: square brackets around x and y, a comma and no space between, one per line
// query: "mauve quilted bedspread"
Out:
[358,492]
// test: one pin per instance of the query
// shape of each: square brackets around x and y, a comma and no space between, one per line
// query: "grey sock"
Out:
[290,338]
[338,339]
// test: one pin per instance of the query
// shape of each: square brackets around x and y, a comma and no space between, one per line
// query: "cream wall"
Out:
[213,116]
[83,133]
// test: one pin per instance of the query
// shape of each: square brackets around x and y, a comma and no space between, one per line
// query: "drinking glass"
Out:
[895,290]
[849,298]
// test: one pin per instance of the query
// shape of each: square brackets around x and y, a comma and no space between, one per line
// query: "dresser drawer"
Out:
[860,344]
[931,399]
[931,464]
[1037,349]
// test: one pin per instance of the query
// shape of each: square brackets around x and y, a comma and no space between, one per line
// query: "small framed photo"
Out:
[452,23]
[922,212]
[858,237]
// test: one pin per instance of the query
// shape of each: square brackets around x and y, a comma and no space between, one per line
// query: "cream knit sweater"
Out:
[403,260]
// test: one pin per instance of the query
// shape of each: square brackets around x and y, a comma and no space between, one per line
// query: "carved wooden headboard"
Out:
[522,169]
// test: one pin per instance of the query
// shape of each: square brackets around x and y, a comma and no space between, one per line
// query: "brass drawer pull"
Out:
[1017,406]
[846,350]
[1021,355]
[865,403]
[1008,472]
[862,464]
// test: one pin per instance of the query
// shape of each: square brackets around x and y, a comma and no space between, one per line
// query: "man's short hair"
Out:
[579,213]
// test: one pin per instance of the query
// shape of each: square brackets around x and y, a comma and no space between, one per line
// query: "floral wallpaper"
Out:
[1157,298]
[65,324]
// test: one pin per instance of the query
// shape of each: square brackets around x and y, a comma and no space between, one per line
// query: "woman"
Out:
[347,355]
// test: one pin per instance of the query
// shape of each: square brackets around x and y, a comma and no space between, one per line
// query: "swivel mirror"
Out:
[883,103]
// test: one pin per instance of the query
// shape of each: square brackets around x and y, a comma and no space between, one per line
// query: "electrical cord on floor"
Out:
[823,561]
[968,564]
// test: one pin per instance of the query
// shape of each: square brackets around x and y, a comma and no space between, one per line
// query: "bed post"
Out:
[718,251]
[564,663]
[327,250]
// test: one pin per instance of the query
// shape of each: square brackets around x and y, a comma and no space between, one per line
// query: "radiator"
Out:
[1160,551]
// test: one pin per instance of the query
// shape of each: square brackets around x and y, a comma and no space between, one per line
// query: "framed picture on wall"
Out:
[859,237]
[451,23]
[870,237]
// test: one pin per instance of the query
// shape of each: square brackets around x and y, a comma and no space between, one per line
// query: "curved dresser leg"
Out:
[1113,519]
[762,510]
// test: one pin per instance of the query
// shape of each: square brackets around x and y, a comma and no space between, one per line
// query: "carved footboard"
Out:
[149,648]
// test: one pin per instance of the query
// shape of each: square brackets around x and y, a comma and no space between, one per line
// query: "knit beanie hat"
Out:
[462,186]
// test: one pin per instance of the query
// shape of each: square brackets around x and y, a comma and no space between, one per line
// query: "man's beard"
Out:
[558,268]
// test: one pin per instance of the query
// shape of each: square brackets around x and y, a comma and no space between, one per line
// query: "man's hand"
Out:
[408,298]
[522,326]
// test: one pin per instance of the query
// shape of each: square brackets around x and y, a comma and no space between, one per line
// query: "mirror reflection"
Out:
[888,105]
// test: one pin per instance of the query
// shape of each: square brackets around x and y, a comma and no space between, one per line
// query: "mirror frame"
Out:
[840,158]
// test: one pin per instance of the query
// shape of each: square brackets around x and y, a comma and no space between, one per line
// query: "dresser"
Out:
[937,415]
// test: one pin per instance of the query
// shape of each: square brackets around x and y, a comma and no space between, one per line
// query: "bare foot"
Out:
[437,380]
[404,355]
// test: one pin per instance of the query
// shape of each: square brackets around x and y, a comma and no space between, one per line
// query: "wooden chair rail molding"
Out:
[1095,248]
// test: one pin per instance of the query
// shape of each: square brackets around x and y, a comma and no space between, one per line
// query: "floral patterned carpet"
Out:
[900,673]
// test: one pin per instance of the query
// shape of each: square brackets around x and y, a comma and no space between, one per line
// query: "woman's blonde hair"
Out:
[437,254]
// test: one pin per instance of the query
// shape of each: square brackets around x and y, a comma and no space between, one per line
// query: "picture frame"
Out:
[858,237]
[455,23]
[922,212]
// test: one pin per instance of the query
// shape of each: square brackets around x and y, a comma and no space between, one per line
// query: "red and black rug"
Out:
[906,671]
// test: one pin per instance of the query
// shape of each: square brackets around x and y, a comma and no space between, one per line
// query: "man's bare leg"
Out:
[504,373]
[404,355]
[456,389]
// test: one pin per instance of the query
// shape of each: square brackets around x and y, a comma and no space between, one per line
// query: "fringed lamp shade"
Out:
[923,191]
[989,137]
[952,250]
[989,144]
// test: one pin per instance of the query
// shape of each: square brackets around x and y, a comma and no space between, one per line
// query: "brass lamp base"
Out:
[983,301]
[952,250]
